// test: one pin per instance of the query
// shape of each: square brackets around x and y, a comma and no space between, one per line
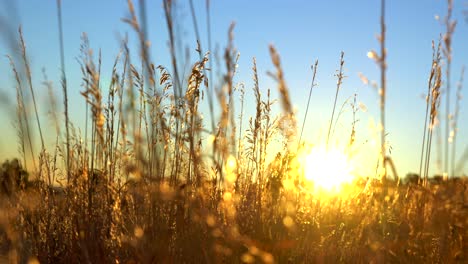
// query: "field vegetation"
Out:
[152,178]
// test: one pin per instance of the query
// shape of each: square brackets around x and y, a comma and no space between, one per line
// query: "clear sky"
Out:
[302,31]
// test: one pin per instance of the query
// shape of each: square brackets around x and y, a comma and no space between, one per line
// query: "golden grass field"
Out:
[153,179]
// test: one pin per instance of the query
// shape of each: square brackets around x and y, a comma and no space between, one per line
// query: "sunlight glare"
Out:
[328,169]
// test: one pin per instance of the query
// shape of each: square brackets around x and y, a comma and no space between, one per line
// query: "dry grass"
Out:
[149,183]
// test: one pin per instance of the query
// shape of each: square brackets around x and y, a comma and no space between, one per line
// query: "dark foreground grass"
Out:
[153,222]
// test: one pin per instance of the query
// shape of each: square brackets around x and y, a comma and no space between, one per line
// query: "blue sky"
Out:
[302,31]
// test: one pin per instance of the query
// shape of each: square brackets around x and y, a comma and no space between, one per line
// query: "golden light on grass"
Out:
[327,169]
[138,232]
[159,182]
[231,166]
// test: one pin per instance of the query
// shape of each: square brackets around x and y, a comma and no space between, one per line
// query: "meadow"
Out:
[153,178]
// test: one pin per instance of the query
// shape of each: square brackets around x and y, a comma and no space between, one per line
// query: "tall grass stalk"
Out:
[29,80]
[23,117]
[381,61]
[383,88]
[435,102]
[447,50]
[55,119]
[168,11]
[209,82]
[269,127]
[241,119]
[340,77]
[256,128]
[312,84]
[231,58]
[210,86]
[455,121]
[21,127]
[462,161]
[288,122]
[428,102]
[64,87]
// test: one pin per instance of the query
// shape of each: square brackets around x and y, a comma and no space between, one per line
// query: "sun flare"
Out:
[328,169]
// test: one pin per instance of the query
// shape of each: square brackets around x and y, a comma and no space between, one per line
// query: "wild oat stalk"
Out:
[434,102]
[83,61]
[110,158]
[93,96]
[435,57]
[197,35]
[192,97]
[225,139]
[255,126]
[288,121]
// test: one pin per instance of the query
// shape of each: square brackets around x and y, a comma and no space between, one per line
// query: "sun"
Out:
[328,169]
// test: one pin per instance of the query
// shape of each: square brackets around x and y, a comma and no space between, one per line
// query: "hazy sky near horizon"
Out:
[302,31]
